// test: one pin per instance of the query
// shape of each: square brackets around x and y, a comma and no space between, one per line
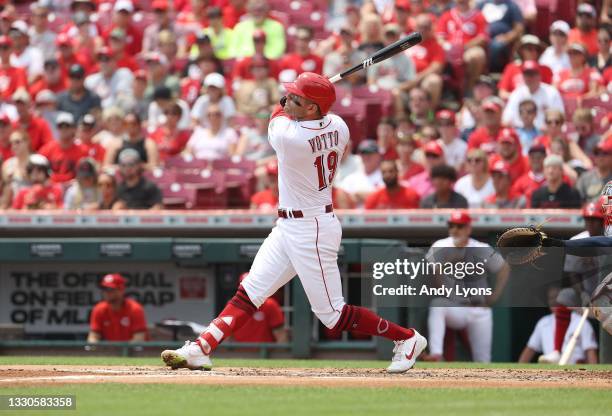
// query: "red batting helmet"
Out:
[314,87]
[593,209]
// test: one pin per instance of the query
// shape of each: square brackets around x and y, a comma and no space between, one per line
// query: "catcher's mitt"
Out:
[522,245]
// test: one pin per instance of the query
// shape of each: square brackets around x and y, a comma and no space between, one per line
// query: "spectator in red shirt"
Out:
[37,128]
[429,59]
[85,138]
[485,136]
[170,139]
[585,31]
[529,49]
[233,11]
[63,153]
[392,195]
[116,318]
[122,19]
[266,324]
[503,196]
[41,194]
[6,128]
[242,68]
[580,80]
[509,150]
[121,50]
[463,30]
[52,79]
[408,167]
[11,78]
[303,60]
[267,199]
[67,56]
[386,138]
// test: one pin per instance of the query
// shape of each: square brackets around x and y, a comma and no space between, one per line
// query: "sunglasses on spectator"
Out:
[589,15]
[105,183]
[64,126]
[474,159]
[431,156]
[128,164]
[452,225]
[556,122]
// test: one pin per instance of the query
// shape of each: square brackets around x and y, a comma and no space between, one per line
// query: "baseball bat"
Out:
[387,52]
[572,342]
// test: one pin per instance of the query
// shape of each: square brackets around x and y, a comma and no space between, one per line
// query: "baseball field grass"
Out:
[307,387]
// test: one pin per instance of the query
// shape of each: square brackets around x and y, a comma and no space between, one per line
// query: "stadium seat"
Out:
[210,186]
[354,112]
[379,103]
[182,163]
[178,196]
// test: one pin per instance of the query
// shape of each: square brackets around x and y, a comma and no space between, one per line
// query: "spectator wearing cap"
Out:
[242,67]
[585,31]
[585,135]
[13,77]
[136,192]
[422,182]
[555,193]
[262,91]
[123,10]
[555,56]
[68,56]
[83,192]
[591,183]
[221,37]
[133,138]
[396,74]
[302,59]
[86,8]
[213,92]
[14,168]
[476,185]
[580,80]
[454,148]
[46,108]
[25,55]
[267,199]
[470,115]
[41,193]
[116,317]
[529,49]
[257,18]
[485,136]
[77,99]
[406,146]
[37,127]
[253,143]
[366,180]
[192,15]
[527,133]
[162,21]
[503,197]
[40,35]
[463,29]
[428,58]
[443,177]
[509,150]
[63,154]
[120,50]
[603,59]
[86,132]
[52,80]
[393,195]
[169,137]
[163,98]
[545,96]
[506,25]
[216,141]
[111,83]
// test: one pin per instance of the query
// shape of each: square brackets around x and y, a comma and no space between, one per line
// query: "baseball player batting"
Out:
[309,144]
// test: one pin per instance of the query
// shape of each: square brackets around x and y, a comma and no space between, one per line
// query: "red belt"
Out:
[296,213]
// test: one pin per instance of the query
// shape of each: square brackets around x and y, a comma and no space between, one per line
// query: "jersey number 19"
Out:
[332,164]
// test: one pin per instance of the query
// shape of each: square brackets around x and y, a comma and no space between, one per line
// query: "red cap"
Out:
[508,135]
[113,281]
[402,4]
[259,34]
[433,147]
[445,115]
[501,167]
[460,217]
[62,40]
[160,5]
[5,40]
[604,146]
[5,119]
[593,209]
[314,87]
[530,66]
[492,105]
[272,168]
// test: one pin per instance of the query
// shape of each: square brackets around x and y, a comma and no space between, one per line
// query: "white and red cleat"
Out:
[406,352]
[188,356]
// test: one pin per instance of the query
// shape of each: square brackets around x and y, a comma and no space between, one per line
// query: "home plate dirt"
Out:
[324,377]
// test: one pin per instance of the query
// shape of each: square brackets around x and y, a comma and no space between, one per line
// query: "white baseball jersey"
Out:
[309,154]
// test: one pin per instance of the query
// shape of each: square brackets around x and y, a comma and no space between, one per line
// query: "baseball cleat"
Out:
[550,358]
[406,352]
[188,356]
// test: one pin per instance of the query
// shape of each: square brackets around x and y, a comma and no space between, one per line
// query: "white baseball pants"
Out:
[307,247]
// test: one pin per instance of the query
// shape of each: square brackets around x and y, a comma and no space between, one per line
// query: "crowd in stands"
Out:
[132,104]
